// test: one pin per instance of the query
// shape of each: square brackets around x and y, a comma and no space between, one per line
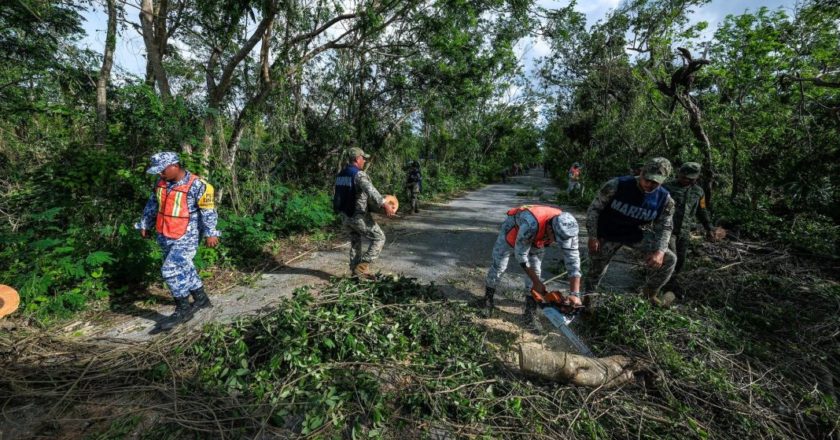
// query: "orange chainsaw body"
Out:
[566,304]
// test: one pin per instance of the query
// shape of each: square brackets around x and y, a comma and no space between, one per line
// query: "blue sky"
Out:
[129,56]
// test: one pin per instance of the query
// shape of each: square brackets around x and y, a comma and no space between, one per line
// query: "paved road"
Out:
[448,244]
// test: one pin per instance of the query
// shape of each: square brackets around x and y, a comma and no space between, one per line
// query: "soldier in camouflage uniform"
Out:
[413,186]
[635,212]
[181,209]
[574,179]
[526,232]
[690,202]
[354,194]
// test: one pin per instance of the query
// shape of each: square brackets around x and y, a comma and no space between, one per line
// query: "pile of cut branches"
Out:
[393,359]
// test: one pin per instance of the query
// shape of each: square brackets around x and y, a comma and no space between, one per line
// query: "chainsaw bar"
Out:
[561,321]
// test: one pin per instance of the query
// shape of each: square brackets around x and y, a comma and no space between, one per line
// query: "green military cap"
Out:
[657,169]
[356,152]
[690,170]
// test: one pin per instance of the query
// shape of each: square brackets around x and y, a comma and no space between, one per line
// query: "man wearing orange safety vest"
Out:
[180,209]
[526,232]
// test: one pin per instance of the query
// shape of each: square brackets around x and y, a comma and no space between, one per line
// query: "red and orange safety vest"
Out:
[173,216]
[543,214]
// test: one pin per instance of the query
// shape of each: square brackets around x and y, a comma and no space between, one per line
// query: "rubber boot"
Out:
[200,299]
[183,313]
[664,301]
[489,305]
[530,318]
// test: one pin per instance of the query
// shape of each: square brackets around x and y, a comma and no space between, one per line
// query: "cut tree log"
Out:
[574,369]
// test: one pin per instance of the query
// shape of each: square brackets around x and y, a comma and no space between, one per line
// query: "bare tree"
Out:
[105,75]
[155,35]
[679,89]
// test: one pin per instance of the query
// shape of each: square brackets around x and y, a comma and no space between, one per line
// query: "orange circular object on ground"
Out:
[9,300]
[392,200]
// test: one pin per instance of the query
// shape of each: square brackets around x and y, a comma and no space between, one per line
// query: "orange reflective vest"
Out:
[173,216]
[543,214]
[574,173]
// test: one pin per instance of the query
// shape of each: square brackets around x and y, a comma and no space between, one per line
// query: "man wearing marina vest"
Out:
[181,209]
[638,213]
[354,196]
[526,232]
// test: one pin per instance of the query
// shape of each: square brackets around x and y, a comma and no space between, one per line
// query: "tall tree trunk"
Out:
[736,175]
[679,88]
[105,75]
[361,109]
[695,122]
[153,37]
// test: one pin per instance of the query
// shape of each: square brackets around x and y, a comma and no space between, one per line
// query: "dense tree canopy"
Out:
[758,105]
[263,97]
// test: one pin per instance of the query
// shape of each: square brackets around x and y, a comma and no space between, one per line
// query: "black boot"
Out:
[183,313]
[489,305]
[200,299]
[532,321]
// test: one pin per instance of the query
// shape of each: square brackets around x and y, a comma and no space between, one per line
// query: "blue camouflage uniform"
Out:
[178,269]
[566,232]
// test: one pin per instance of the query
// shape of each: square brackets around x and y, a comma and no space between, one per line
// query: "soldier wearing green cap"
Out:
[354,195]
[638,213]
[690,202]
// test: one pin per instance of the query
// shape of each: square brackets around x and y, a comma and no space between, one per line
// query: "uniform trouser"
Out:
[679,245]
[501,256]
[363,226]
[178,269]
[654,278]
[413,193]
[573,186]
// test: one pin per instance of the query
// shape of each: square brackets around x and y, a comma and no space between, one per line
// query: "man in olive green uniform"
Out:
[690,202]
[354,197]
[635,212]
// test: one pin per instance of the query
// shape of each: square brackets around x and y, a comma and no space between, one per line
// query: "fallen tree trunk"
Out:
[574,369]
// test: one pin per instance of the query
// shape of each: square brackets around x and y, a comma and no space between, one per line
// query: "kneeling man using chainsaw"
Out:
[526,232]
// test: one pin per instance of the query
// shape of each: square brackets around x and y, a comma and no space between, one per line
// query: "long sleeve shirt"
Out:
[203,214]
[366,194]
[690,202]
[528,227]
[661,226]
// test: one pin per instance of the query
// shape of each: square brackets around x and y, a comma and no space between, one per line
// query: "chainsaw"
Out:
[561,310]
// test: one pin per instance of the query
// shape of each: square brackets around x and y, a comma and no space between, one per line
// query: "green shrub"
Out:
[809,232]
[55,275]
[307,211]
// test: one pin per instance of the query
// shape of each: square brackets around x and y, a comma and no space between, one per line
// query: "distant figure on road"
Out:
[180,208]
[638,213]
[354,193]
[690,202]
[413,186]
[574,178]
[526,232]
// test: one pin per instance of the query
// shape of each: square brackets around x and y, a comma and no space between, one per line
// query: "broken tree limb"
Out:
[574,369]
